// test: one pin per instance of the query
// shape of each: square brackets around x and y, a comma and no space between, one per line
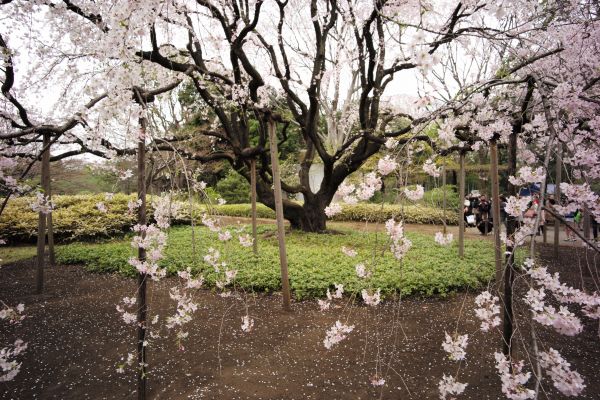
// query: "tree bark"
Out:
[285,283]
[313,218]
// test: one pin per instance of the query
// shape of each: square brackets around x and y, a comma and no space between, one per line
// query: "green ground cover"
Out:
[315,261]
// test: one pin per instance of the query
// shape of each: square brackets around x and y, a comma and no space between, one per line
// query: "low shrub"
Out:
[74,218]
[315,262]
[77,217]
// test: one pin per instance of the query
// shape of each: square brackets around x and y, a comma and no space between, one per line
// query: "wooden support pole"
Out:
[43,218]
[51,254]
[253,199]
[496,208]
[141,292]
[557,194]
[48,192]
[285,284]
[505,287]
[587,222]
[461,207]
[545,228]
[444,195]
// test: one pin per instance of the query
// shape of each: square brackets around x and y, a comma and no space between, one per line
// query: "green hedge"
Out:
[74,217]
[77,218]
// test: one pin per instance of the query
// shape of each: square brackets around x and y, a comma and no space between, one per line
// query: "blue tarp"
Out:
[535,188]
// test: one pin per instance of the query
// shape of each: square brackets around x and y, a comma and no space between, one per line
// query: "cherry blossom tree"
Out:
[254,58]
[323,68]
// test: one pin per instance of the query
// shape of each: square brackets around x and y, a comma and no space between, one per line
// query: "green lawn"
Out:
[315,261]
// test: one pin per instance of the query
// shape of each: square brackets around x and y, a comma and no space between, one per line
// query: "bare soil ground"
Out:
[76,340]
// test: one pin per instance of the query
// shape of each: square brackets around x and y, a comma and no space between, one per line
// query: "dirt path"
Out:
[76,341]
[470,233]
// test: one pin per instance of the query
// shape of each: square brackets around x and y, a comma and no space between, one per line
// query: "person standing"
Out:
[484,213]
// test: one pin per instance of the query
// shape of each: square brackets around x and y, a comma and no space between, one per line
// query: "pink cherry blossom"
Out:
[371,299]
[513,380]
[449,386]
[336,334]
[333,209]
[414,194]
[442,239]
[456,346]
[386,165]
[569,383]
[247,323]
[430,169]
[246,240]
[350,252]
[488,310]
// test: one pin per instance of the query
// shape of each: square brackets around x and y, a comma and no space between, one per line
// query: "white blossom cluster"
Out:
[336,334]
[400,244]
[442,239]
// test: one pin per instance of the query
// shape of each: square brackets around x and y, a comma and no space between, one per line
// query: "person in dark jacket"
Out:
[484,207]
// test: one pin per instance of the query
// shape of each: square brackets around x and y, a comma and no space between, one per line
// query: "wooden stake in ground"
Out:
[141,292]
[461,206]
[48,192]
[506,287]
[557,183]
[253,199]
[43,218]
[285,284]
[496,208]
[586,222]
[444,194]
[51,255]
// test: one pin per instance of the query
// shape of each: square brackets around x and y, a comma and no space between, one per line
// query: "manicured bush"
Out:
[315,261]
[77,217]
[74,217]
